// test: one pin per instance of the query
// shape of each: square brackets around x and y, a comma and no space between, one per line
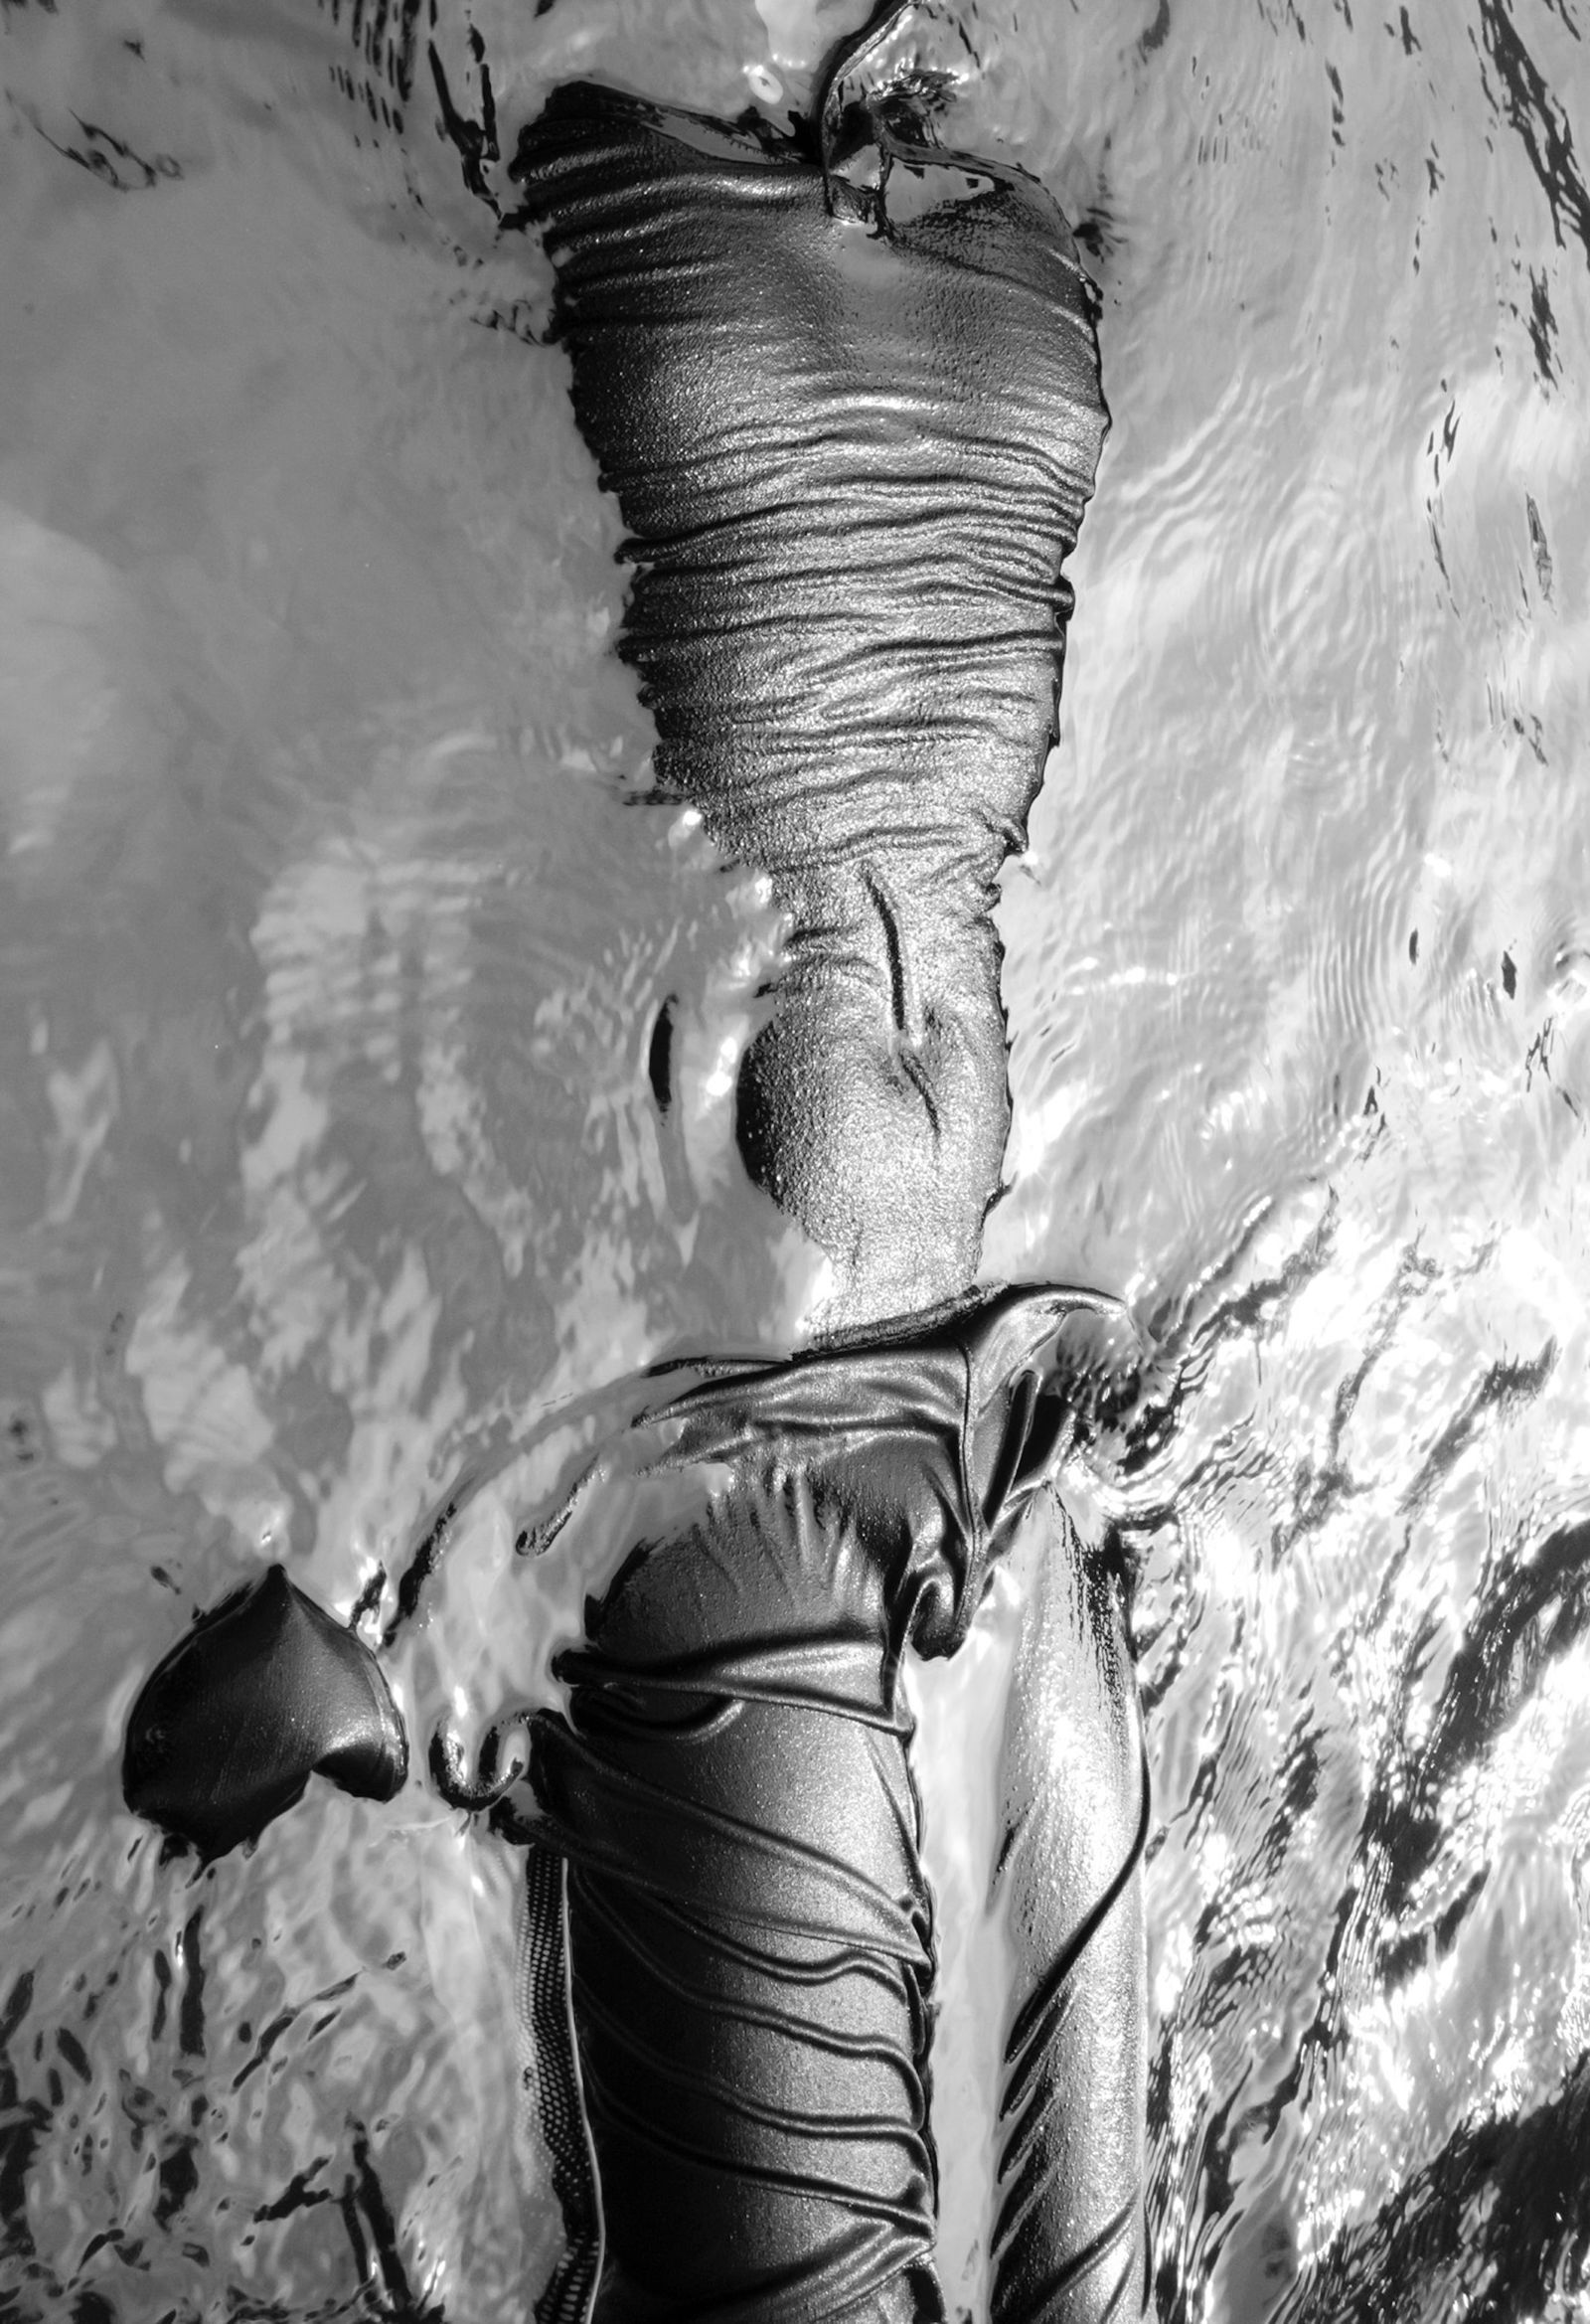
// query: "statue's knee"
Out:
[873,1141]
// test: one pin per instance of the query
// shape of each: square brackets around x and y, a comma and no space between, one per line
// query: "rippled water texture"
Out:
[334,934]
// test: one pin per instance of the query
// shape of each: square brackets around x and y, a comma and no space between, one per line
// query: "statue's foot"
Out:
[265,1691]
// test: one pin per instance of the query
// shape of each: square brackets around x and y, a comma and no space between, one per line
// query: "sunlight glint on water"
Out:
[333,935]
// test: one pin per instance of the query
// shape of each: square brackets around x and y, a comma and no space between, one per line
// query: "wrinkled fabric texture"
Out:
[1067,2243]
[845,391]
[849,403]
[748,1926]
[844,388]
[552,2111]
[727,1959]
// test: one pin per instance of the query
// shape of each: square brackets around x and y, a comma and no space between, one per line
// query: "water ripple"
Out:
[334,1142]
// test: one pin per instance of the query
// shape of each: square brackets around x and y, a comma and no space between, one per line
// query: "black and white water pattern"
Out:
[368,1046]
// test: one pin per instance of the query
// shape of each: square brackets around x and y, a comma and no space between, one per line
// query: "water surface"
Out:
[334,929]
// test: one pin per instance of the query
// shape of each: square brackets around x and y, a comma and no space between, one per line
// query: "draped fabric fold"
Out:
[844,388]
[749,1928]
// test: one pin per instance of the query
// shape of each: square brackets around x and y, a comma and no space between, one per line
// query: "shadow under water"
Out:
[366,1073]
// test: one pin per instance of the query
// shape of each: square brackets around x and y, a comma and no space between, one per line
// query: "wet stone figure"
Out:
[844,385]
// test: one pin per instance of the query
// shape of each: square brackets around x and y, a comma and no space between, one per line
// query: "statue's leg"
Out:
[873,1106]
[749,1928]
[749,1936]
[844,388]
[1067,2245]
[550,2084]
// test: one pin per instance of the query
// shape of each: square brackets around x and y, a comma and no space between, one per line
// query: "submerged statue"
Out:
[845,386]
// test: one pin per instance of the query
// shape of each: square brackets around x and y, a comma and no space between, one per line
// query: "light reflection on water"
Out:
[334,937]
